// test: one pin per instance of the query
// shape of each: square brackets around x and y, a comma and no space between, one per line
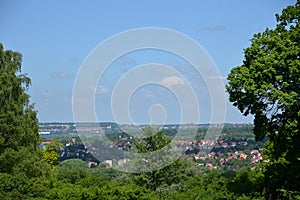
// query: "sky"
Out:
[57,37]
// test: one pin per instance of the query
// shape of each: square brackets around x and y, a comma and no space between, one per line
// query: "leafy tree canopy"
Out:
[267,85]
[18,121]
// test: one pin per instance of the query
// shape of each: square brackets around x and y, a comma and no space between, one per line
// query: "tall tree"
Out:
[267,85]
[18,121]
[164,179]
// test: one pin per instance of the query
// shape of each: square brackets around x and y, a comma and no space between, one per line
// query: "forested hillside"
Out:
[266,85]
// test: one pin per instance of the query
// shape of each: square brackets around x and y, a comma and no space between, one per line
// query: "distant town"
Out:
[235,147]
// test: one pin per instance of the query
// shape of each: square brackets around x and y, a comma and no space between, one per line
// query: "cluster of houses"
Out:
[211,153]
[220,153]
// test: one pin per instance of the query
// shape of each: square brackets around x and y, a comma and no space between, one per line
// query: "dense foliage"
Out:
[183,179]
[267,86]
[18,124]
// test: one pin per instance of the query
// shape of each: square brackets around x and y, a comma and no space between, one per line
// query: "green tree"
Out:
[164,179]
[152,141]
[20,157]
[267,85]
[50,155]
[18,121]
[72,170]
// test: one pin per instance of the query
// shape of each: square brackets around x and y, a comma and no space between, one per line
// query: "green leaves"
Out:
[18,122]
[267,85]
[50,155]
[152,141]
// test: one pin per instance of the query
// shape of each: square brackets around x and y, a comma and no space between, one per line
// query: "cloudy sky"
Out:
[56,37]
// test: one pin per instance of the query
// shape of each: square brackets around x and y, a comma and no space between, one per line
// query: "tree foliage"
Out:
[50,154]
[164,179]
[267,85]
[20,157]
[18,121]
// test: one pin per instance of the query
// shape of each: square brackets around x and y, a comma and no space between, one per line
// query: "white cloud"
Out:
[217,77]
[161,69]
[103,89]
[149,95]
[47,94]
[126,60]
[172,81]
[60,75]
[214,28]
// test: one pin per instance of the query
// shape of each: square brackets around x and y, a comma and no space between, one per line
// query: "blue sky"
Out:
[56,36]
